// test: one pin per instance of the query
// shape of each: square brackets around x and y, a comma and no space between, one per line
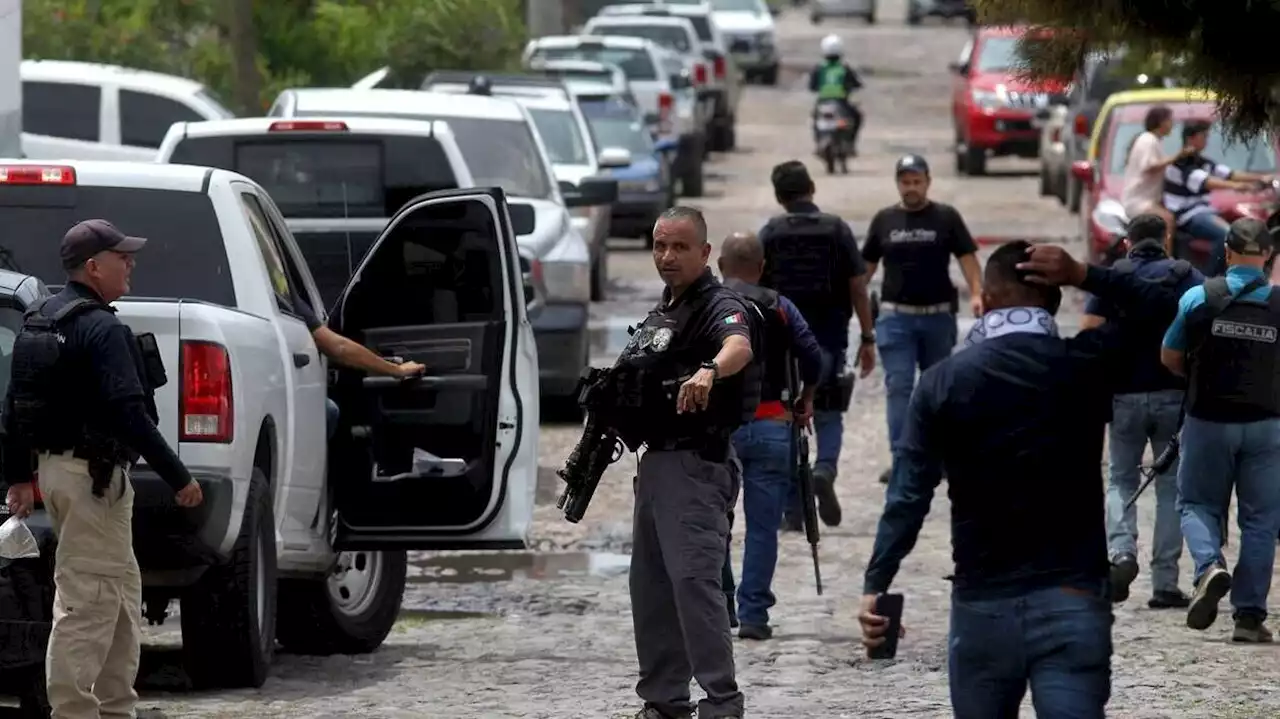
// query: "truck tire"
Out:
[600,276]
[350,611]
[691,180]
[229,616]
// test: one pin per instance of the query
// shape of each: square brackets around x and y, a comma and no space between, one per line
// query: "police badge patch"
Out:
[661,339]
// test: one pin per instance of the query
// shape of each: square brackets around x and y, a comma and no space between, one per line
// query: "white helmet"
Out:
[831,46]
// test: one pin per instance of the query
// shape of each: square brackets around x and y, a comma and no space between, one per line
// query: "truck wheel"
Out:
[229,616]
[770,77]
[351,611]
[600,276]
[691,180]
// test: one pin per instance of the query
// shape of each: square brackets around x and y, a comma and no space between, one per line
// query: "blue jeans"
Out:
[1058,639]
[908,343]
[1137,419]
[1215,458]
[828,424]
[764,448]
[1210,226]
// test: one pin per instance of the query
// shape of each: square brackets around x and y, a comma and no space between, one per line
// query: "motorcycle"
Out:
[1110,214]
[831,129]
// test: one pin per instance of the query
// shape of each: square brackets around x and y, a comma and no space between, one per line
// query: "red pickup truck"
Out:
[994,111]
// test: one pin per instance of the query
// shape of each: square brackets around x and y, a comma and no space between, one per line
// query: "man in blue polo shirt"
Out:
[1146,410]
[1224,340]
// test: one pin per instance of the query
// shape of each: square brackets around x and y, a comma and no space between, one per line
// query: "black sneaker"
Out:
[1124,569]
[733,610]
[1250,630]
[755,631]
[1165,599]
[824,488]
[653,713]
[1210,590]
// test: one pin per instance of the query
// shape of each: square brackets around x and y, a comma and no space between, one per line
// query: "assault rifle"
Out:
[803,473]
[602,443]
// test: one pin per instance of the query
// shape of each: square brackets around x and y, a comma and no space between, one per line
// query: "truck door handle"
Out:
[301,359]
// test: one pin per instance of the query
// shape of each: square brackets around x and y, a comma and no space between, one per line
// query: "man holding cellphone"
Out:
[1016,421]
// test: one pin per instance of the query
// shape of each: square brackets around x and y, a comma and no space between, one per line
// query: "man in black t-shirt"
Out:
[348,353]
[811,257]
[915,239]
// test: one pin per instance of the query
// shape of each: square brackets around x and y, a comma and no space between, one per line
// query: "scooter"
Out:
[1196,250]
[831,129]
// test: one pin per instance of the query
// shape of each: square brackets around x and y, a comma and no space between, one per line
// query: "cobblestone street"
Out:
[548,634]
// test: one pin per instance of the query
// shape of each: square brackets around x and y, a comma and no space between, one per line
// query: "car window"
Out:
[1255,155]
[636,63]
[738,5]
[266,246]
[313,177]
[668,36]
[185,255]
[10,324]
[145,118]
[615,124]
[997,54]
[559,131]
[62,109]
[702,26]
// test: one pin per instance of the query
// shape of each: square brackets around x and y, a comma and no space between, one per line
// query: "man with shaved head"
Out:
[763,445]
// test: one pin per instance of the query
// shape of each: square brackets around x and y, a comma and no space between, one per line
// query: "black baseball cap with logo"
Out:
[88,238]
[910,163]
[1250,237]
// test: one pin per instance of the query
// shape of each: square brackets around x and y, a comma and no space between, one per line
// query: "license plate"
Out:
[828,123]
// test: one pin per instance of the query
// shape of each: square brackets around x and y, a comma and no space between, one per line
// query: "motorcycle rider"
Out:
[834,79]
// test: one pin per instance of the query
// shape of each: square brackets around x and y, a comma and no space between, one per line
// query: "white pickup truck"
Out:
[318,527]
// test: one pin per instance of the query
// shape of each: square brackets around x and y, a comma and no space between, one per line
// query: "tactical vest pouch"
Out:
[835,396]
[39,384]
[152,363]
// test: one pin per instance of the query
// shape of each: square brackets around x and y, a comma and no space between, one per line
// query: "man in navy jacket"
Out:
[1015,420]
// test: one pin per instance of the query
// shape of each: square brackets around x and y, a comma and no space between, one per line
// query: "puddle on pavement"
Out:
[506,566]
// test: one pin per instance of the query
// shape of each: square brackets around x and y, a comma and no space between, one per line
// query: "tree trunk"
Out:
[244,57]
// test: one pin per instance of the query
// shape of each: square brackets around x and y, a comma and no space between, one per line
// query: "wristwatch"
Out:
[868,338]
[715,368]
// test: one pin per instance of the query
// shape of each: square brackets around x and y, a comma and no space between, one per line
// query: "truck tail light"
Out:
[1080,126]
[719,67]
[666,103]
[205,412]
[308,126]
[37,175]
[700,74]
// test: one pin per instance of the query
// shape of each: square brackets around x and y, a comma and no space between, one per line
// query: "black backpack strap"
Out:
[74,308]
[1178,272]
[1217,295]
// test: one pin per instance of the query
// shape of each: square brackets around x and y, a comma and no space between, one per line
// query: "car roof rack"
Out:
[531,79]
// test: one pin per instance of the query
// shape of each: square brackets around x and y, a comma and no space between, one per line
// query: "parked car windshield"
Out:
[1256,155]
[184,257]
[499,153]
[613,123]
[635,62]
[559,131]
[997,54]
[668,36]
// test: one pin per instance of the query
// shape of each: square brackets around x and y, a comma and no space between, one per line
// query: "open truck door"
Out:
[447,460]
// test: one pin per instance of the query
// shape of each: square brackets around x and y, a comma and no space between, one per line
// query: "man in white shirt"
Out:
[1144,170]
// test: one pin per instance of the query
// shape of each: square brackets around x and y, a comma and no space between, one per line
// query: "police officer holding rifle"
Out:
[683,384]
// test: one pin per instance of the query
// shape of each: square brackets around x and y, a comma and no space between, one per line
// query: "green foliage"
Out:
[299,42]
[1222,45]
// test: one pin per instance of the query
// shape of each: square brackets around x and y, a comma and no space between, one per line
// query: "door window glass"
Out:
[61,109]
[145,118]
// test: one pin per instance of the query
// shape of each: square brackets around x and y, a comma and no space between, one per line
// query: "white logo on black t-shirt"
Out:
[916,236]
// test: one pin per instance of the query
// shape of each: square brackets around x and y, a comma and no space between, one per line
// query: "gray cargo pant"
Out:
[680,528]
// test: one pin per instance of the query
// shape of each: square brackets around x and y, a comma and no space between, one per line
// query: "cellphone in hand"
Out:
[888,606]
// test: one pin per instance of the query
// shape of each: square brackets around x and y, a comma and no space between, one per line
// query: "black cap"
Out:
[911,163]
[88,238]
[1250,237]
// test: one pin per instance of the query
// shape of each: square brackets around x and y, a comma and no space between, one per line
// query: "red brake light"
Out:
[700,74]
[37,175]
[720,67]
[204,411]
[1081,126]
[665,102]
[307,126]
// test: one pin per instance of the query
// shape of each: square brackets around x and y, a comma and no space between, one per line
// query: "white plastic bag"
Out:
[17,541]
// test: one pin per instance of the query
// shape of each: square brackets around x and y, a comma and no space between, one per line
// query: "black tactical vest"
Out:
[802,260]
[1234,357]
[665,352]
[41,384]
[775,360]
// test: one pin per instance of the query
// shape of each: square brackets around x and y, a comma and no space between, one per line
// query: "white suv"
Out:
[87,111]
[501,146]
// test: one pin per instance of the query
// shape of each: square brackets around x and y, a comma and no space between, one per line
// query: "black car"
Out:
[918,10]
[26,585]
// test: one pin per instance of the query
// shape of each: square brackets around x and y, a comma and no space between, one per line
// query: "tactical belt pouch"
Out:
[152,362]
[836,395]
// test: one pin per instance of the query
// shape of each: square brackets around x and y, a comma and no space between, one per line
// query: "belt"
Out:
[711,449]
[941,308]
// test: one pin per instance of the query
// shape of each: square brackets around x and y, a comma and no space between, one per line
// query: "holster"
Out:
[836,395]
[100,470]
